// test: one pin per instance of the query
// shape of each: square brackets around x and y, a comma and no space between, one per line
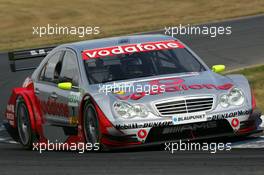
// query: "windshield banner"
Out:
[131,48]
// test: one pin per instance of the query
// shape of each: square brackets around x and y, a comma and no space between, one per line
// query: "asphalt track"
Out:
[244,47]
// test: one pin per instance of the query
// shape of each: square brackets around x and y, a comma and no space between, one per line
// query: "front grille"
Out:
[189,105]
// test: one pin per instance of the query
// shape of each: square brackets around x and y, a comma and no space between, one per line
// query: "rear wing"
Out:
[25,55]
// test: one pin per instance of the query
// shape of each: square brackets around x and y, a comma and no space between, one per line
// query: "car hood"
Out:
[172,86]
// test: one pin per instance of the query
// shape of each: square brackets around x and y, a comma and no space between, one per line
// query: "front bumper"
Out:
[187,132]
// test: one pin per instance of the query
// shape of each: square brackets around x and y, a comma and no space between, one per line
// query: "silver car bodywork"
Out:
[155,119]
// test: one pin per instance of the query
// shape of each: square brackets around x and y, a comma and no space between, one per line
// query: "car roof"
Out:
[114,41]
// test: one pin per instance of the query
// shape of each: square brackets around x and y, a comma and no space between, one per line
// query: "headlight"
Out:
[235,97]
[224,101]
[127,111]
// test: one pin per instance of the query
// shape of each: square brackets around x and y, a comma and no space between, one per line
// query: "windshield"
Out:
[141,64]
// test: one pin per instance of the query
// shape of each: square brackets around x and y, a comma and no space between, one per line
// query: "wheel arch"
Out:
[28,97]
[103,121]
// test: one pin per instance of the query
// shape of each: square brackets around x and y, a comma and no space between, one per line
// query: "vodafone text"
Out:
[131,48]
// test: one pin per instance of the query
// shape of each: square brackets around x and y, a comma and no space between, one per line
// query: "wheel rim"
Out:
[91,126]
[23,124]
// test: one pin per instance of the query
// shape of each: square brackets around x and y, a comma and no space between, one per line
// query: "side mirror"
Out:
[65,86]
[218,68]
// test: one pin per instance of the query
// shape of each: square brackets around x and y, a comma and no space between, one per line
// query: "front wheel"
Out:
[91,124]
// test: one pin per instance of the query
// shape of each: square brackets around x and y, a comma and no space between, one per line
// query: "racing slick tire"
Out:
[91,126]
[26,136]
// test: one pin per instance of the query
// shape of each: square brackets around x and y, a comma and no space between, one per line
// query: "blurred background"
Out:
[114,17]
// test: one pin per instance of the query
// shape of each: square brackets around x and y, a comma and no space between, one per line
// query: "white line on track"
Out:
[7,140]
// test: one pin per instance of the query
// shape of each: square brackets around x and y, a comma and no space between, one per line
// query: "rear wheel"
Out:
[24,125]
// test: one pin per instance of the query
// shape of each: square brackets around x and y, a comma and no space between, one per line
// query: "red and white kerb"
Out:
[131,48]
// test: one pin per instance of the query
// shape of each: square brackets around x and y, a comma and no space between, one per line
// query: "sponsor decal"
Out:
[73,120]
[142,133]
[235,122]
[10,108]
[173,85]
[10,116]
[11,122]
[144,125]
[130,48]
[52,107]
[189,127]
[74,99]
[82,91]
[230,115]
[182,119]
[38,52]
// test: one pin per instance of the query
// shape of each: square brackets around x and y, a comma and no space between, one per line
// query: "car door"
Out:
[70,98]
[54,111]
[46,87]
[59,107]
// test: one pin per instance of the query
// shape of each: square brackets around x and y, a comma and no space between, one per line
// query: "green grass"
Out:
[114,17]
[256,79]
